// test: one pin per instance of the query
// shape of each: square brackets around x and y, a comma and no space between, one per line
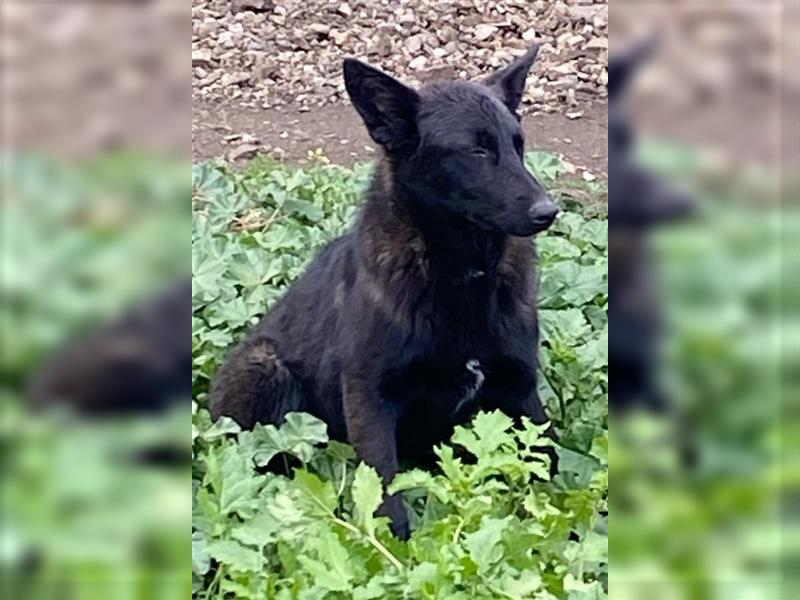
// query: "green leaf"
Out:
[236,556]
[201,561]
[316,496]
[367,491]
[333,570]
[582,466]
[484,545]
[258,531]
[240,484]
[223,427]
[488,433]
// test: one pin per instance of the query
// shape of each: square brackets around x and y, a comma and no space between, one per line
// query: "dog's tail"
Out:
[255,386]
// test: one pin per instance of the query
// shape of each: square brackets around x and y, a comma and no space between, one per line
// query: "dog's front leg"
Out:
[371,429]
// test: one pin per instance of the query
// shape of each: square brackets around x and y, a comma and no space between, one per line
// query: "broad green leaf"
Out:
[223,427]
[236,556]
[318,497]
[367,491]
[484,544]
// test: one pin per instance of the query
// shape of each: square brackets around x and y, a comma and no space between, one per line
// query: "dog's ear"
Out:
[509,83]
[388,108]
[621,68]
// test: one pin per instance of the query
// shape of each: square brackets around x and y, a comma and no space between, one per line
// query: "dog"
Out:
[139,363]
[639,202]
[426,311]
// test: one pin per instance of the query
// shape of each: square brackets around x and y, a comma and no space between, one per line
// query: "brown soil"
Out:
[338,131]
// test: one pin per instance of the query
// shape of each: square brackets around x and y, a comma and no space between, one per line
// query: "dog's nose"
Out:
[543,214]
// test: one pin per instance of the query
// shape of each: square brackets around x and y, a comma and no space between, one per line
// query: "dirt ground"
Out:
[221,130]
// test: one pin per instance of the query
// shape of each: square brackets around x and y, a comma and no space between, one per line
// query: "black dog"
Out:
[138,363]
[426,311]
[639,201]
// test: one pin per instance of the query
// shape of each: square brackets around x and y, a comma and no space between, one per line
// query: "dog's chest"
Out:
[444,389]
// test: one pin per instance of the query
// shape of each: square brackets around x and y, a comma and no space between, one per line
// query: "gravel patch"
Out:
[269,53]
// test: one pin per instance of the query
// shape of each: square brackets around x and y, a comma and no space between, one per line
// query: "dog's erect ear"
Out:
[388,108]
[622,68]
[509,83]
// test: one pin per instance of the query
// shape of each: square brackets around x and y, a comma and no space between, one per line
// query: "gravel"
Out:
[268,53]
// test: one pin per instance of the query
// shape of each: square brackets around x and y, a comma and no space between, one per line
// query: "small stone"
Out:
[587,176]
[234,78]
[440,73]
[574,115]
[243,151]
[414,44]
[407,18]
[484,32]
[529,35]
[201,58]
[253,5]
[596,43]
[418,63]
[320,29]
[344,9]
[574,40]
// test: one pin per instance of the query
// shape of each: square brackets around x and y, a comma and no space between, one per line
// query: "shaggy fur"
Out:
[426,311]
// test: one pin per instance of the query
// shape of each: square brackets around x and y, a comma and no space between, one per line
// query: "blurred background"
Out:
[96,188]
[97,132]
[706,481]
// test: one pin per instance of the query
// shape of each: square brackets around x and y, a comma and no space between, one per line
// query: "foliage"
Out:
[697,494]
[84,514]
[488,523]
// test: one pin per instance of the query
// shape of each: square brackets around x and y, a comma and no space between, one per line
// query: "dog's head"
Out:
[457,147]
[638,199]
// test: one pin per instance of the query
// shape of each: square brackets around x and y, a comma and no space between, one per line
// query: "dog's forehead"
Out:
[462,106]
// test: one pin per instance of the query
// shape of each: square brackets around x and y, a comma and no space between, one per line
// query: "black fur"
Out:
[138,363]
[639,201]
[426,311]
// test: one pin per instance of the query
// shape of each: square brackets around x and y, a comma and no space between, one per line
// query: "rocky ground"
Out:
[267,75]
[267,53]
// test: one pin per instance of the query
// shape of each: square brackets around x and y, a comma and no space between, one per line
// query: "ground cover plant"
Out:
[81,515]
[481,527]
[80,518]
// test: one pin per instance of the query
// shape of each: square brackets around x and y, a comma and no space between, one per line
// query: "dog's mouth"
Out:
[521,227]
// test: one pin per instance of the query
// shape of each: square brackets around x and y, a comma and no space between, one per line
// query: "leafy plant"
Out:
[488,523]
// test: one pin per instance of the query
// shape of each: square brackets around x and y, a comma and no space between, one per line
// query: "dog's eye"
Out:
[479,151]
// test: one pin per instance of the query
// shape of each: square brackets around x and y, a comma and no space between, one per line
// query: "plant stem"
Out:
[457,532]
[344,478]
[214,582]
[557,392]
[373,541]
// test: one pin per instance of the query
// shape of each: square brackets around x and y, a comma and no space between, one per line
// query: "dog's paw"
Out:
[393,508]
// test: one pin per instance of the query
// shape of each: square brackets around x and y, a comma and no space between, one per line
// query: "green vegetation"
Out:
[82,516]
[482,527]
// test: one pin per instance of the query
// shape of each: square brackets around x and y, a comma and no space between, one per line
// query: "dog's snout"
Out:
[543,213]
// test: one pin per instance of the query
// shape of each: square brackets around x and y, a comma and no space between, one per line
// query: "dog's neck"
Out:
[453,247]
